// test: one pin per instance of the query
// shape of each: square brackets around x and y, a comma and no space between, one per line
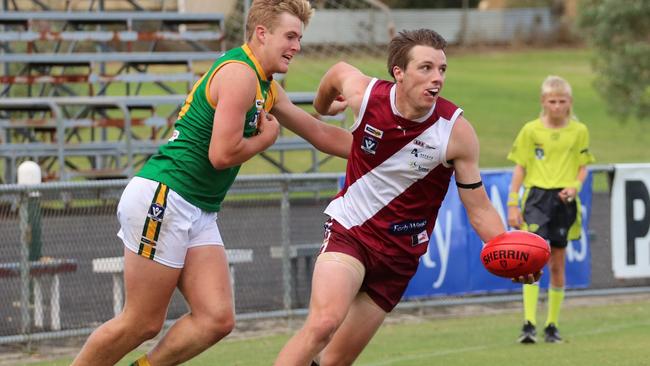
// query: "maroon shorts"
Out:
[386,276]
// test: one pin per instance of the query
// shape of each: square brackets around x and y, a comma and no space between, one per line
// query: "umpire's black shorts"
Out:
[548,216]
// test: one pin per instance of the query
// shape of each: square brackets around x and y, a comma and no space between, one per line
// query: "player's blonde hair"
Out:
[267,12]
[555,85]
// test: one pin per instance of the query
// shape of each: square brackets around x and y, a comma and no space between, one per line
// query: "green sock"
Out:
[142,361]
[555,298]
[531,293]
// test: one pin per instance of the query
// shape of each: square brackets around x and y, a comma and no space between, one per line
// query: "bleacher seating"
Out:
[94,93]
[60,68]
[43,47]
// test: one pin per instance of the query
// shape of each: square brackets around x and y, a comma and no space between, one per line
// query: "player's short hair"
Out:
[267,13]
[555,85]
[399,49]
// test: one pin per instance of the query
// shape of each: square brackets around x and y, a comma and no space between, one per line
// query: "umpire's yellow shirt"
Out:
[551,156]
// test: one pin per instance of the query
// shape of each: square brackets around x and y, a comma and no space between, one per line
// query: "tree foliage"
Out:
[619,30]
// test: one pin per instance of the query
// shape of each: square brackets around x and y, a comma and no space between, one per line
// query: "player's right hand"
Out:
[268,127]
[529,279]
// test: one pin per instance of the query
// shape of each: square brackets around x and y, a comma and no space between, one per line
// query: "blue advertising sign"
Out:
[452,265]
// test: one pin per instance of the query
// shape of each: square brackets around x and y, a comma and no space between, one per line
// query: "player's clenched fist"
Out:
[268,127]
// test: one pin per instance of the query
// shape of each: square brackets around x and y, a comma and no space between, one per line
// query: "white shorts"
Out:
[157,223]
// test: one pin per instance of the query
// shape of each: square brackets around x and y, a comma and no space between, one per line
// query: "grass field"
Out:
[598,332]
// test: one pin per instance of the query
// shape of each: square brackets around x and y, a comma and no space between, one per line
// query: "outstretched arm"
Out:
[463,150]
[325,137]
[233,88]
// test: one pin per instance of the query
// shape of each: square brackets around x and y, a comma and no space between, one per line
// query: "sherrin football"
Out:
[515,253]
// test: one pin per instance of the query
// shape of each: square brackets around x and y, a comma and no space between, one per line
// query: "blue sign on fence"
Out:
[452,266]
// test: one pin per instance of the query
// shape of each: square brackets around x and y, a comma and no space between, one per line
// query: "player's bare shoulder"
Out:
[234,79]
[463,141]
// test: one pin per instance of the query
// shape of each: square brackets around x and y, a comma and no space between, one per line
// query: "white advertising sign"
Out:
[630,221]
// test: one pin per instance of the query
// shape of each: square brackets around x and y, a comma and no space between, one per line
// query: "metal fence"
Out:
[58,244]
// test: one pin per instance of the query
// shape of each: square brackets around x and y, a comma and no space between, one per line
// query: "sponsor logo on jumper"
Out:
[253,122]
[423,144]
[423,155]
[417,167]
[375,132]
[369,145]
[175,135]
[259,103]
[504,255]
[156,212]
[408,227]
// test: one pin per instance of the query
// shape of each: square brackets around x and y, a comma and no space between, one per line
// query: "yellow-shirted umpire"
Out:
[551,154]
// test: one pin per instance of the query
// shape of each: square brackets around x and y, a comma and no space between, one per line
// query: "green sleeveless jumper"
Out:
[182,163]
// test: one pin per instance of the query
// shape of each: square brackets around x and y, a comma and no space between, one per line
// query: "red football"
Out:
[515,253]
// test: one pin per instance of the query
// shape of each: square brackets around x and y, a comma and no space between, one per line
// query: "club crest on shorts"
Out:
[156,212]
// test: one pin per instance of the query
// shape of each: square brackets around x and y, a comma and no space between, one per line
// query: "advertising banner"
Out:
[631,221]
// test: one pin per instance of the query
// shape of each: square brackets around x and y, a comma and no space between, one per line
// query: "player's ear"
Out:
[260,33]
[398,74]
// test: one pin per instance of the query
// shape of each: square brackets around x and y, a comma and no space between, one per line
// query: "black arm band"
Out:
[469,186]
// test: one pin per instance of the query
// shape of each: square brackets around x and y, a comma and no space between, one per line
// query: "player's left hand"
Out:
[530,279]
